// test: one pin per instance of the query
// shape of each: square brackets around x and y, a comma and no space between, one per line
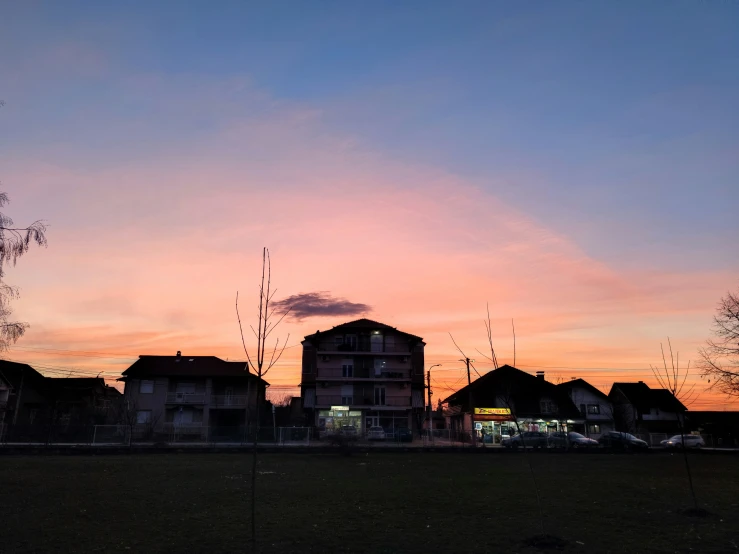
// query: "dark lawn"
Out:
[380,502]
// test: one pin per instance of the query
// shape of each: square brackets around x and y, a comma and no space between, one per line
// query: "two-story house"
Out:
[640,409]
[363,374]
[594,405]
[201,396]
[506,400]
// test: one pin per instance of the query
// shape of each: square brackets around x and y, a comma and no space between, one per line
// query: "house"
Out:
[640,409]
[363,374]
[594,405]
[203,397]
[83,401]
[721,429]
[23,395]
[507,399]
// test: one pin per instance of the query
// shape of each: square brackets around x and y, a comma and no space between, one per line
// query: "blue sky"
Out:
[621,114]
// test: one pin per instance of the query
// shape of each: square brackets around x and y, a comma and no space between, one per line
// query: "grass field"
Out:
[376,502]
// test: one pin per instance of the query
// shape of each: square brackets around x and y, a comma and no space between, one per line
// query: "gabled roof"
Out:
[187,366]
[525,391]
[583,384]
[13,373]
[644,398]
[362,323]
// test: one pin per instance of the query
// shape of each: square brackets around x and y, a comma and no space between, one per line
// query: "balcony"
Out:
[361,374]
[185,398]
[364,348]
[228,401]
[390,401]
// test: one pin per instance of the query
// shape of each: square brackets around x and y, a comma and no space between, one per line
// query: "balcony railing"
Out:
[185,398]
[358,373]
[358,401]
[228,401]
[365,347]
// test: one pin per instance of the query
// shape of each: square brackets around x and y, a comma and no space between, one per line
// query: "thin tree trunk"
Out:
[685,457]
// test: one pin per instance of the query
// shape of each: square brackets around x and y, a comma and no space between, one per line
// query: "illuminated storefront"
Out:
[492,423]
[339,416]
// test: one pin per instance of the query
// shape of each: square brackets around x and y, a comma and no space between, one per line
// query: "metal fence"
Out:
[198,434]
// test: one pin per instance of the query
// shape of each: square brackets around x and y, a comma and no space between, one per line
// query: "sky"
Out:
[571,165]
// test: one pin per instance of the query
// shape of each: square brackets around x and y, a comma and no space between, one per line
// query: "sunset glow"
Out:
[422,178]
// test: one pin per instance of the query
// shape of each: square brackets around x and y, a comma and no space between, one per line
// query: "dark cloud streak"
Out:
[319,304]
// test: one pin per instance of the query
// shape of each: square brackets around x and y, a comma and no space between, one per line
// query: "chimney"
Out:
[641,382]
[179,353]
[540,375]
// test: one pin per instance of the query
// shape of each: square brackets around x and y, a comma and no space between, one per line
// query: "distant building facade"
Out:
[640,409]
[204,397]
[363,374]
[507,399]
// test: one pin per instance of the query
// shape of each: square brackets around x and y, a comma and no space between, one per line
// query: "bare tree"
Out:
[257,361]
[720,356]
[14,242]
[674,379]
[506,394]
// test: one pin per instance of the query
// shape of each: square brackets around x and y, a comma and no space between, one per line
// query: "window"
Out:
[390,343]
[338,340]
[376,341]
[594,429]
[351,340]
[594,409]
[379,396]
[347,395]
[548,407]
[143,417]
[146,387]
[583,409]
[347,368]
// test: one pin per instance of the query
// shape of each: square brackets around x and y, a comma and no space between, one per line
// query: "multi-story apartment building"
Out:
[202,396]
[363,374]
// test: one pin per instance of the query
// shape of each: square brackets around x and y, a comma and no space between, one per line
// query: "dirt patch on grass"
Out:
[546,542]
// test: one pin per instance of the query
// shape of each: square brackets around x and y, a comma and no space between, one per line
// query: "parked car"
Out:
[403,434]
[691,441]
[348,430]
[376,434]
[571,440]
[622,441]
[529,439]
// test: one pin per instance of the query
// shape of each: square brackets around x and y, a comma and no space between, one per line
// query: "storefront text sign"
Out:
[492,411]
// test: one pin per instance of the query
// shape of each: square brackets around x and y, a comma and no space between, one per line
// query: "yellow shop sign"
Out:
[492,411]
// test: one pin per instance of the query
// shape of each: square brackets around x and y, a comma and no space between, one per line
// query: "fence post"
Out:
[94,433]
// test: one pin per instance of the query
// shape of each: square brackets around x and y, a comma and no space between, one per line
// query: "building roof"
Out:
[525,391]
[644,398]
[187,366]
[13,373]
[362,323]
[583,384]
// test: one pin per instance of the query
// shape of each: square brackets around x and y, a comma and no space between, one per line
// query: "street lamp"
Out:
[431,417]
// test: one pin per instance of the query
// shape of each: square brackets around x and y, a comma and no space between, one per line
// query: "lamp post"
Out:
[428,388]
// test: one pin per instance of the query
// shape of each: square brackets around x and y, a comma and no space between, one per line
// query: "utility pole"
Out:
[473,436]
[430,410]
[430,413]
